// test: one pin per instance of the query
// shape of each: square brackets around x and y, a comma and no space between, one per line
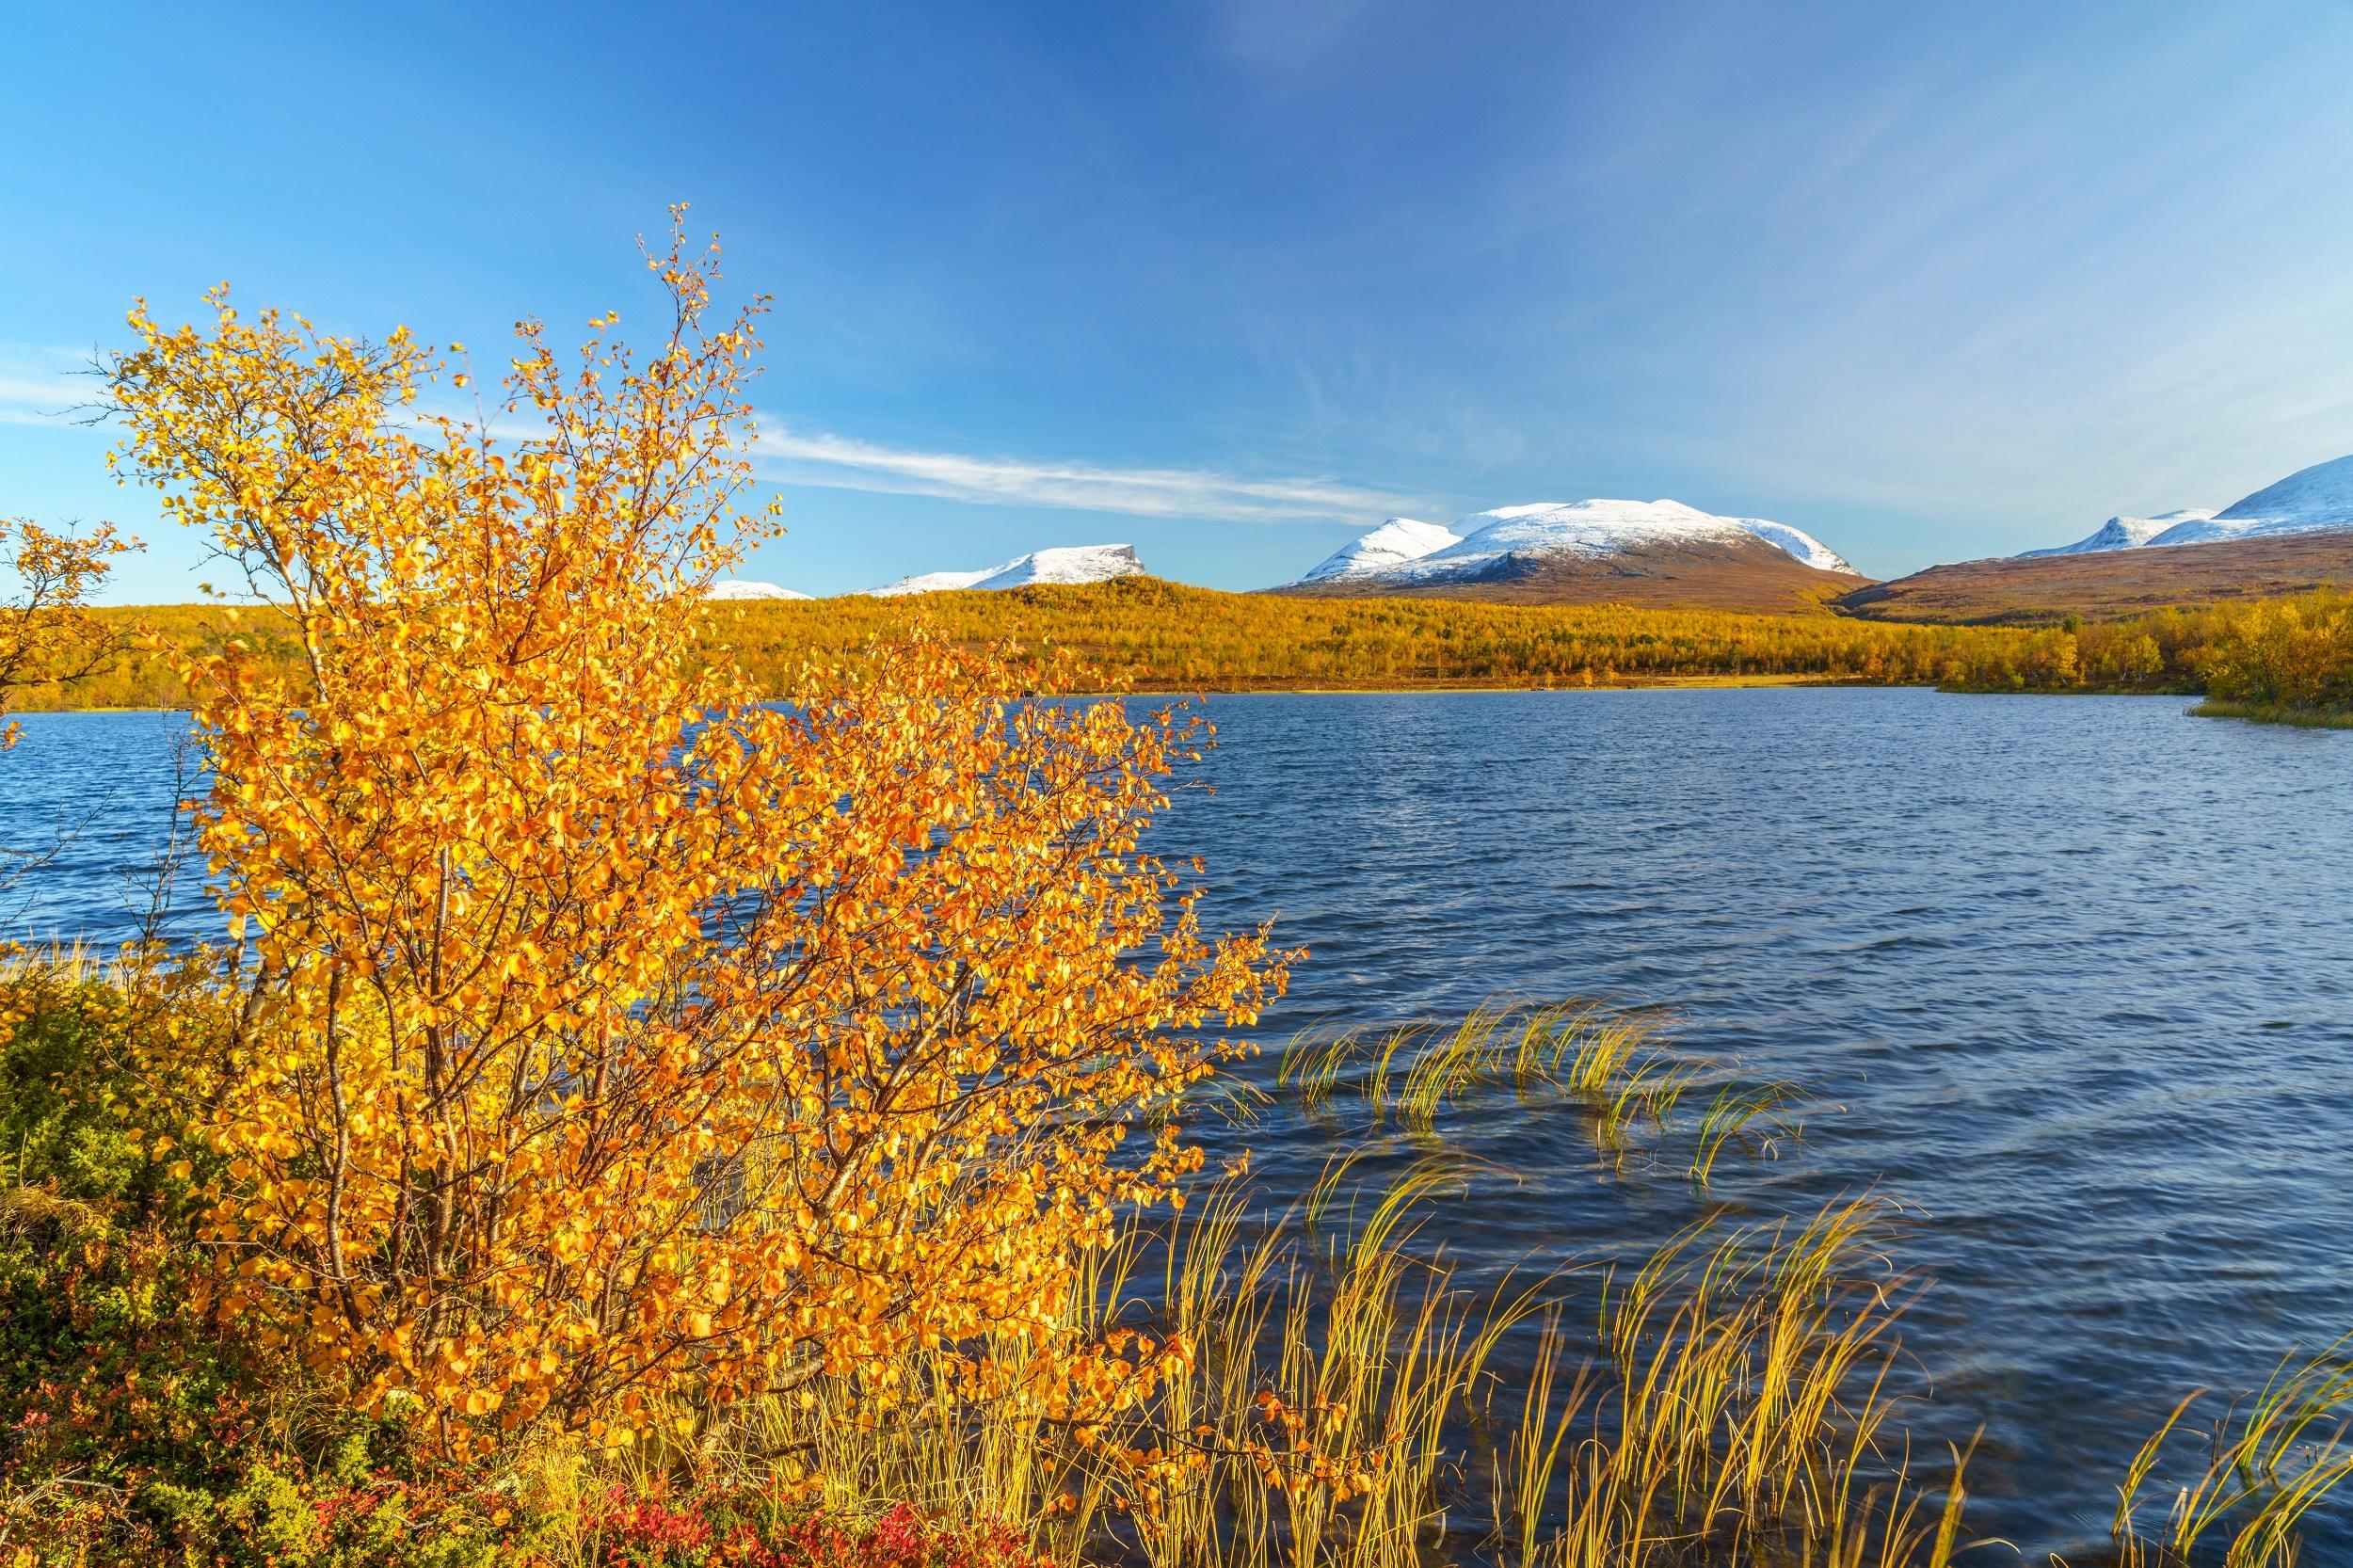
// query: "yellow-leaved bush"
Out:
[47,633]
[610,1041]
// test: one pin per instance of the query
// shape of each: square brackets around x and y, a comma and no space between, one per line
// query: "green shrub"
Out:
[131,1421]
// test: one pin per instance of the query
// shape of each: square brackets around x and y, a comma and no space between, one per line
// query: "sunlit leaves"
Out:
[47,633]
[612,1036]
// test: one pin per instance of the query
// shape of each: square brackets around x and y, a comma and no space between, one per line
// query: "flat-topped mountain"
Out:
[1591,551]
[1084,563]
[742,589]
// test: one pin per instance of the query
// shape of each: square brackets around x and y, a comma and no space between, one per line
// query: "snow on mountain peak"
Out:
[2321,494]
[2123,532]
[1802,545]
[1598,528]
[1062,564]
[1382,551]
[739,588]
[2310,500]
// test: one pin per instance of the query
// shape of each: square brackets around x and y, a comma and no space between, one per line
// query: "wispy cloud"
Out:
[1284,37]
[839,462]
[44,386]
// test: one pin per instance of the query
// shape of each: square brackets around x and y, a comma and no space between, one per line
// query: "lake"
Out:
[2070,977]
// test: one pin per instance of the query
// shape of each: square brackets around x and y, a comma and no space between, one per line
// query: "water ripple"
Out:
[2066,976]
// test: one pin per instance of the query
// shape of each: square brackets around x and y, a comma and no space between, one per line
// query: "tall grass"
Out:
[1739,1414]
[2268,1461]
[1346,1396]
[1611,1063]
[1341,1405]
[1729,1120]
[1416,1070]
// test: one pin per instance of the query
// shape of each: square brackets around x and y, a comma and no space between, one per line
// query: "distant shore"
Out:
[1276,687]
[1396,688]
[1434,688]
[1145,635]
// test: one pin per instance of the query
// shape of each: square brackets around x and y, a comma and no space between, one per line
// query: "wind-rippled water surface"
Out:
[2070,977]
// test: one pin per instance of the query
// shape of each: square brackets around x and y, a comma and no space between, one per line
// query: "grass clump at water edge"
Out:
[1613,1065]
[2274,712]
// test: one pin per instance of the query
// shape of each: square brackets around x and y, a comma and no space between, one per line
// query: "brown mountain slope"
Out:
[2109,583]
[1707,574]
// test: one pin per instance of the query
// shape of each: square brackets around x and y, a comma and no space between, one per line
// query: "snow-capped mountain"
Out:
[1382,551]
[2310,500]
[1658,552]
[2123,532]
[1084,563]
[1493,542]
[736,587]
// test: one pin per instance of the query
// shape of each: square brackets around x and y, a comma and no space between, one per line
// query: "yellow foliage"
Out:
[2291,653]
[47,631]
[1167,636]
[608,1037]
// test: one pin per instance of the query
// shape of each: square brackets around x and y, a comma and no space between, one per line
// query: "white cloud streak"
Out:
[837,462]
[43,399]
[34,390]
[46,387]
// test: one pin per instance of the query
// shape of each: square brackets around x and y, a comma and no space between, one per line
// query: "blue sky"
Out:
[1232,283]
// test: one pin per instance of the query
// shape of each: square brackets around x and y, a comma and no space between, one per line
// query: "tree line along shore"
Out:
[2289,658]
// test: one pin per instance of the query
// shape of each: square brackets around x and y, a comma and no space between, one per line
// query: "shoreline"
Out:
[1436,688]
[1449,688]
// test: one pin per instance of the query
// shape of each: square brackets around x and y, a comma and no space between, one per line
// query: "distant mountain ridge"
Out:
[2105,584]
[1665,553]
[2289,537]
[1063,564]
[2315,500]
[2122,533]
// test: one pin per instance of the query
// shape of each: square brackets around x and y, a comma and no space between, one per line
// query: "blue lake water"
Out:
[2072,978]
